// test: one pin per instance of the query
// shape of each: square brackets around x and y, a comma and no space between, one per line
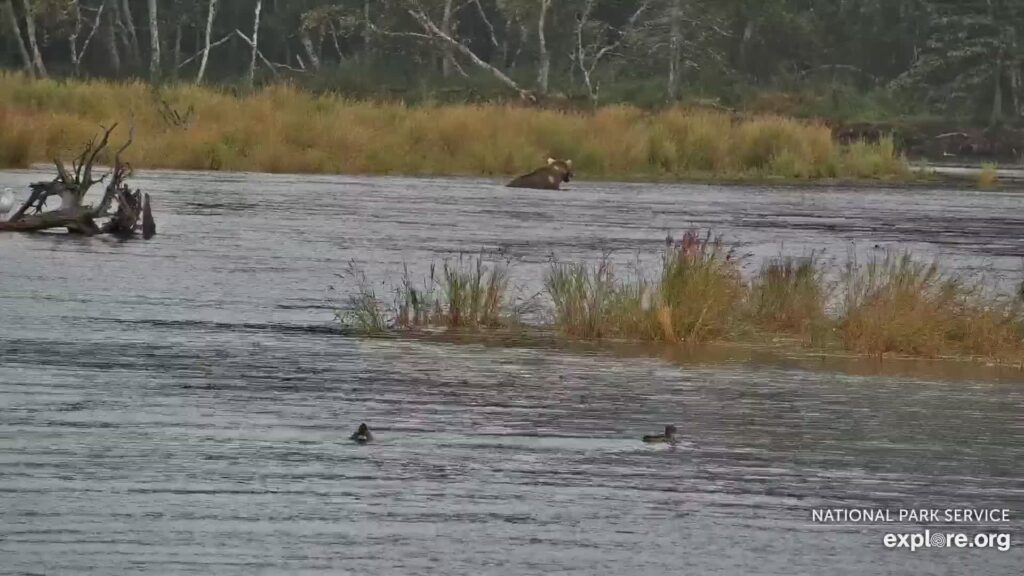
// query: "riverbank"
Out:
[283,129]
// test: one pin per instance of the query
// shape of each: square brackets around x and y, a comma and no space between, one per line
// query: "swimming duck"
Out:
[362,435]
[669,436]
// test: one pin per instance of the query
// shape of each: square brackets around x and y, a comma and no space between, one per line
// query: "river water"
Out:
[182,405]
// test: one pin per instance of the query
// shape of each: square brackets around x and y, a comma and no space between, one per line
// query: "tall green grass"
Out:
[284,129]
[467,293]
[363,310]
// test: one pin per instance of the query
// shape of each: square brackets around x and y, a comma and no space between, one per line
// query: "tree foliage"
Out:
[959,57]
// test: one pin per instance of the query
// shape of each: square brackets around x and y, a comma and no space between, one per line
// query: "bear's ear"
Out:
[568,163]
[551,161]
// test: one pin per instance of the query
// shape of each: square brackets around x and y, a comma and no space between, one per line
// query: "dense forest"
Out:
[952,58]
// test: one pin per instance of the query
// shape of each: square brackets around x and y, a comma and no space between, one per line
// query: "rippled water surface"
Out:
[182,405]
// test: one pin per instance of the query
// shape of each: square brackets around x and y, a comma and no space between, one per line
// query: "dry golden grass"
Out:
[283,129]
[900,305]
[789,296]
[695,297]
[890,305]
[989,176]
[16,140]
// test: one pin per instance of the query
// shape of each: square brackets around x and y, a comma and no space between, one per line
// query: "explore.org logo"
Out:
[914,541]
[989,526]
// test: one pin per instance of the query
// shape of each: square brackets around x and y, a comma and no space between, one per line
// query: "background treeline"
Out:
[864,59]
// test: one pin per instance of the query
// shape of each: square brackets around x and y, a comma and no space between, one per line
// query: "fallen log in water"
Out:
[71,187]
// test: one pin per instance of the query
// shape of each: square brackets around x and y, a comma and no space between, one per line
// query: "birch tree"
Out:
[77,51]
[675,16]
[210,13]
[431,32]
[154,43]
[130,33]
[543,56]
[606,41]
[30,31]
[110,35]
[15,32]
[250,78]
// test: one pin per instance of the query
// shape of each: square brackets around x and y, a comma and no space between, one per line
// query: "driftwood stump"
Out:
[72,186]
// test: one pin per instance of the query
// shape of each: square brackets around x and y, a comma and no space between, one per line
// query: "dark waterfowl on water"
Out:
[362,435]
[668,437]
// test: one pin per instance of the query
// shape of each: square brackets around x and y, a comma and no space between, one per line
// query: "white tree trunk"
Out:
[15,31]
[206,44]
[448,58]
[76,52]
[997,96]
[1015,91]
[251,78]
[675,48]
[580,56]
[154,43]
[110,36]
[1017,106]
[544,64]
[366,30]
[307,44]
[176,52]
[133,38]
[30,29]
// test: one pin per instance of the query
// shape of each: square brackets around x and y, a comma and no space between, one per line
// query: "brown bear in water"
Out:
[549,177]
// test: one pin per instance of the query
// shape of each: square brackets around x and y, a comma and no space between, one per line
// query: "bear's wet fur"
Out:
[549,177]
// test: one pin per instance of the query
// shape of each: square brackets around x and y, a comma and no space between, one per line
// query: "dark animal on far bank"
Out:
[549,177]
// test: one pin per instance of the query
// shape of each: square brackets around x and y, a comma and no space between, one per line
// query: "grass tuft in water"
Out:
[892,304]
[895,303]
[693,298]
[468,293]
[590,302]
[363,311]
[474,294]
[700,291]
[789,295]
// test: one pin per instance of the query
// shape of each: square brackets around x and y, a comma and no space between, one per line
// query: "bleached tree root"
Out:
[71,187]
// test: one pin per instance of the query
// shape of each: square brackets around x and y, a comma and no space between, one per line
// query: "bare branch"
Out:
[95,25]
[127,143]
[604,51]
[203,51]
[272,65]
[117,174]
[85,182]
[630,24]
[373,27]
[62,173]
[421,17]
[486,21]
